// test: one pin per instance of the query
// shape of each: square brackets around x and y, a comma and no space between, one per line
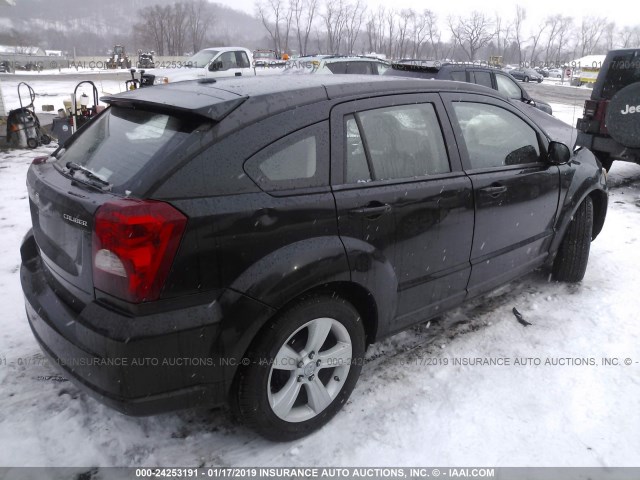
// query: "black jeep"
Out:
[610,124]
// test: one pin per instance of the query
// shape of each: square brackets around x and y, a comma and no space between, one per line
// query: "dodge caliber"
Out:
[242,242]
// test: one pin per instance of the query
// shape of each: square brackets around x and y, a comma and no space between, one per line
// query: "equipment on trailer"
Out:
[118,58]
[145,60]
[23,125]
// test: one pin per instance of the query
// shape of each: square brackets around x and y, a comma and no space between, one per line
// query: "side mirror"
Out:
[559,153]
[215,66]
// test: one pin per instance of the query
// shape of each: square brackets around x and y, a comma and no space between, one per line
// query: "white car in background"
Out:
[555,73]
[337,64]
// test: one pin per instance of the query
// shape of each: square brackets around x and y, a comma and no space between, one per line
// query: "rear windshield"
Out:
[623,70]
[122,142]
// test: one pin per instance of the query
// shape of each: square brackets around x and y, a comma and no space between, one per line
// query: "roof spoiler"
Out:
[215,106]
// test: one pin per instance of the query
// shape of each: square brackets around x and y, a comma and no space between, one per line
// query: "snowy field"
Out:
[409,407]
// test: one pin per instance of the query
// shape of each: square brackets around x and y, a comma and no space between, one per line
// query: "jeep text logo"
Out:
[628,109]
[66,216]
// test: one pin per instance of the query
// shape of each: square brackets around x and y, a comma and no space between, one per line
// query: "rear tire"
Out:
[571,261]
[302,368]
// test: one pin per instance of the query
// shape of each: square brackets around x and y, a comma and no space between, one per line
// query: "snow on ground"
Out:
[54,92]
[66,71]
[567,113]
[409,407]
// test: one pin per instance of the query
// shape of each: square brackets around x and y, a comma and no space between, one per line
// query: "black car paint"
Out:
[246,255]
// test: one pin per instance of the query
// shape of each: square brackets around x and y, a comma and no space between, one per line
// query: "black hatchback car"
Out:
[472,73]
[242,241]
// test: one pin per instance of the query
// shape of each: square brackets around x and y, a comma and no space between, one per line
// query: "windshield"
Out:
[201,59]
[122,142]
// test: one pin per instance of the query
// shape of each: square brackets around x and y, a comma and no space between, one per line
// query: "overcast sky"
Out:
[623,12]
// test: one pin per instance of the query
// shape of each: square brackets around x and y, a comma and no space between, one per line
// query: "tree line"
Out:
[348,27]
[175,29]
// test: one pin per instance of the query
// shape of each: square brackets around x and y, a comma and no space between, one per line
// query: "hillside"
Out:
[93,26]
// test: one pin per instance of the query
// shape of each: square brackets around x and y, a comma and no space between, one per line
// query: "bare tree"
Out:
[564,31]
[403,28]
[629,36]
[503,36]
[591,30]
[176,31]
[199,19]
[354,18]
[304,13]
[609,36]
[391,26]
[521,15]
[535,41]
[472,33]
[272,14]
[419,30]
[431,20]
[155,27]
[558,28]
[334,16]
[375,30]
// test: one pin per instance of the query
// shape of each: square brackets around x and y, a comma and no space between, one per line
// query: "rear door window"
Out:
[482,78]
[459,76]
[397,142]
[337,67]
[121,143]
[361,68]
[508,87]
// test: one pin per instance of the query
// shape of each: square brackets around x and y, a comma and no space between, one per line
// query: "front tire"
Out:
[570,264]
[526,79]
[302,368]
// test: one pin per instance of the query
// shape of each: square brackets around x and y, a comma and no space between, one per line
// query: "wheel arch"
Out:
[599,199]
[600,203]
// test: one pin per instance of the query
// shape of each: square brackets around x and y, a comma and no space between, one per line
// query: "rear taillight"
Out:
[601,115]
[134,244]
[590,108]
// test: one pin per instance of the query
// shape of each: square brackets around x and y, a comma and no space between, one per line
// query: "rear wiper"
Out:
[72,166]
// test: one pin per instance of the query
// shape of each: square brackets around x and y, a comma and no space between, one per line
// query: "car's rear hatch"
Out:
[113,158]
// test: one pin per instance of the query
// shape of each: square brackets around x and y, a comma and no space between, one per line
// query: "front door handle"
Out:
[238,74]
[372,211]
[494,191]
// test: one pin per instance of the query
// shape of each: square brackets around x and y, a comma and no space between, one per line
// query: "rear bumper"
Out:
[142,365]
[602,144]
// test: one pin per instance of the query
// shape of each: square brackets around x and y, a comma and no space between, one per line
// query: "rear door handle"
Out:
[238,74]
[494,191]
[371,211]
